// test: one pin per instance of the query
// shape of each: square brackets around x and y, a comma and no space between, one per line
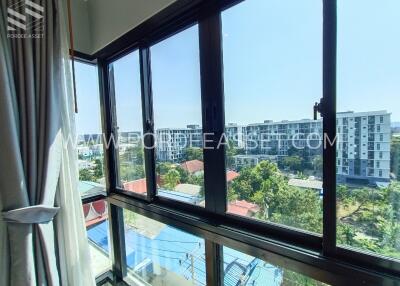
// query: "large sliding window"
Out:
[272,80]
[160,254]
[244,269]
[89,131]
[129,122]
[89,145]
[178,130]
[368,190]
[282,187]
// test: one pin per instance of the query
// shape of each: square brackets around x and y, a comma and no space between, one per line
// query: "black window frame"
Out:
[317,256]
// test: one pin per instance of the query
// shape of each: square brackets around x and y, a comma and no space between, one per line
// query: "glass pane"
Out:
[128,105]
[177,117]
[272,80]
[368,149]
[96,220]
[159,254]
[89,131]
[243,269]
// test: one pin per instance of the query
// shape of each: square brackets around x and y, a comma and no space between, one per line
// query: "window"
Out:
[367,83]
[177,117]
[263,72]
[91,162]
[128,107]
[243,269]
[96,220]
[89,131]
[274,157]
[160,254]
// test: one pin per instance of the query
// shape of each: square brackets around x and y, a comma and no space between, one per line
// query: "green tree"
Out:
[86,175]
[130,172]
[163,168]
[98,169]
[395,157]
[193,153]
[133,155]
[317,163]
[294,163]
[183,175]
[267,187]
[171,179]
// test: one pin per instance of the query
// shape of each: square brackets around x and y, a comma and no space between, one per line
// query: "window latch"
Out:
[318,108]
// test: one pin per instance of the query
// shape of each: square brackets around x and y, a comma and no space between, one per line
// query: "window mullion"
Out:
[115,217]
[106,82]
[329,127]
[213,112]
[214,263]
[148,122]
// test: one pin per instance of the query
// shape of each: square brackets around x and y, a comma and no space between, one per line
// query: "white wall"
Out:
[81,26]
[99,22]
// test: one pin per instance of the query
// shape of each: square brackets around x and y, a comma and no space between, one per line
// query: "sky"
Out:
[272,51]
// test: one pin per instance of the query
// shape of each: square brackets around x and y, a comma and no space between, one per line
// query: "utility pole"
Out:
[192,266]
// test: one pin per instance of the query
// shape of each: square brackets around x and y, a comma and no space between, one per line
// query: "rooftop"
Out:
[193,166]
[307,184]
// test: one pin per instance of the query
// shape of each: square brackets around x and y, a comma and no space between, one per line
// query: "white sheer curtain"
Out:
[68,242]
[73,248]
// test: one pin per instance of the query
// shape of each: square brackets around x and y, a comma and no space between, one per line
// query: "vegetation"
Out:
[171,179]
[369,218]
[193,153]
[395,157]
[267,187]
[93,174]
[131,164]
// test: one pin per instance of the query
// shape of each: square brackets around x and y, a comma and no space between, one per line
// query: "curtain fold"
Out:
[38,159]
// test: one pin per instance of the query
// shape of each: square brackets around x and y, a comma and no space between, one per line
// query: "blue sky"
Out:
[272,66]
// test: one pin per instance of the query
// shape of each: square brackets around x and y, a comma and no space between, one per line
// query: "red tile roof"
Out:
[96,220]
[243,208]
[193,166]
[231,175]
[137,186]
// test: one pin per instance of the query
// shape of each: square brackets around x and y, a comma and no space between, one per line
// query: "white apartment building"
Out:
[363,149]
[172,142]
[363,143]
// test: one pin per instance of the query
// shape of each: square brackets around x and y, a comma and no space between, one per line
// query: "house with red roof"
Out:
[193,166]
[136,186]
[231,175]
[243,208]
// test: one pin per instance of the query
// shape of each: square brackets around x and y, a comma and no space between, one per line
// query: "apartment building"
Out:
[363,143]
[280,138]
[363,149]
[172,142]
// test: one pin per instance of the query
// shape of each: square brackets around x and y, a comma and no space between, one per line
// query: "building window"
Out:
[89,131]
[260,69]
[243,269]
[129,121]
[175,69]
[91,161]
[272,188]
[160,254]
[353,78]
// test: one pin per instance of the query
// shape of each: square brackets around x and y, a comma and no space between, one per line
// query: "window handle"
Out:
[149,125]
[318,108]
